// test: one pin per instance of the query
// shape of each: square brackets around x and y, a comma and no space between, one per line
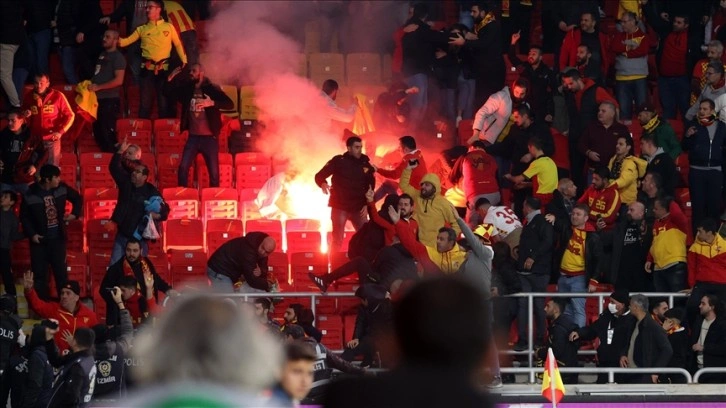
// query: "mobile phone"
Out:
[49,324]
[413,162]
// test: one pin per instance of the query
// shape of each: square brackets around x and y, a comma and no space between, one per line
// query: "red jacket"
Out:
[707,263]
[603,203]
[416,174]
[50,113]
[479,171]
[573,39]
[389,230]
[134,306]
[82,317]
[601,95]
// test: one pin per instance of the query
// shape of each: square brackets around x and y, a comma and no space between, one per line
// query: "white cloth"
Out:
[503,219]
[491,118]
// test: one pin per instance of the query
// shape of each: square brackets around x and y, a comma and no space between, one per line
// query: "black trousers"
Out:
[6,271]
[51,253]
[104,128]
[365,348]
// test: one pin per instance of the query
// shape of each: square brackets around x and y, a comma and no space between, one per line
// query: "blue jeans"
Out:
[54,152]
[209,148]
[575,284]
[39,45]
[626,92]
[674,94]
[18,188]
[119,248]
[448,102]
[504,166]
[466,97]
[220,283]
[386,188]
[69,62]
[418,101]
[19,77]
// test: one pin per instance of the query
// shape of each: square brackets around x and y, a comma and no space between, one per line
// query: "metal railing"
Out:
[600,295]
[708,370]
[611,371]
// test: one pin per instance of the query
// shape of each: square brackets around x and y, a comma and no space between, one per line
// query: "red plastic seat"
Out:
[272,228]
[219,231]
[166,125]
[278,264]
[252,175]
[226,174]
[187,266]
[94,170]
[219,203]
[464,131]
[98,236]
[187,234]
[99,203]
[302,263]
[169,141]
[183,202]
[69,168]
[303,235]
[132,124]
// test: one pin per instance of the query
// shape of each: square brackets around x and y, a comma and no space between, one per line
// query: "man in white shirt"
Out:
[501,217]
[335,112]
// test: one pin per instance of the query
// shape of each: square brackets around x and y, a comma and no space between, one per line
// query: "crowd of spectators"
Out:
[600,173]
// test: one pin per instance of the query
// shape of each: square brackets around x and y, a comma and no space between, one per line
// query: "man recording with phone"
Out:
[111,348]
[70,313]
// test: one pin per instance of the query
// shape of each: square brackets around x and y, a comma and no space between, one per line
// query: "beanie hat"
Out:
[621,295]
[73,286]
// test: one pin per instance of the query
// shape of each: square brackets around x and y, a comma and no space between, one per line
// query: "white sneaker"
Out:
[496,383]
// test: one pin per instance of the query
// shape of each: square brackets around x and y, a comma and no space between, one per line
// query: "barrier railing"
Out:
[708,370]
[611,371]
[600,295]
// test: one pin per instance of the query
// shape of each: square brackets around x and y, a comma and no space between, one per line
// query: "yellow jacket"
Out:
[631,170]
[156,41]
[669,240]
[431,213]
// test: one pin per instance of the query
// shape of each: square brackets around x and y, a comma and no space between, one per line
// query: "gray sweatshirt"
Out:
[478,265]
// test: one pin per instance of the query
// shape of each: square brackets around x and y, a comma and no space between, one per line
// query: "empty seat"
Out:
[94,170]
[272,228]
[183,202]
[302,263]
[219,231]
[142,138]
[219,203]
[131,124]
[464,131]
[183,234]
[326,66]
[248,105]
[226,173]
[187,266]
[168,165]
[363,68]
[100,236]
[166,125]
[251,158]
[303,235]
[99,203]
[252,175]
[233,93]
[347,235]
[69,167]
[75,239]
[278,265]
[170,141]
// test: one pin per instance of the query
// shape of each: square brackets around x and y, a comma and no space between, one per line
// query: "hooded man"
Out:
[432,208]
[243,258]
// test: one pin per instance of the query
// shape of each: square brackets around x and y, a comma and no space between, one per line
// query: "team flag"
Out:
[552,387]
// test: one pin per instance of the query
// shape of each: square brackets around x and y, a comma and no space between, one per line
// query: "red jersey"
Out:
[50,113]
[479,171]
[603,204]
[82,317]
[389,230]
[417,172]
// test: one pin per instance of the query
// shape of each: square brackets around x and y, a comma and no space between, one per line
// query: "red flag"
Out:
[552,387]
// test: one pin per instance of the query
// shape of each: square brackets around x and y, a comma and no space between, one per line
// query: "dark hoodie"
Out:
[565,351]
[30,376]
[376,315]
[370,238]
[238,258]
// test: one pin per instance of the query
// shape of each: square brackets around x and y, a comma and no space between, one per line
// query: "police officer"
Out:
[10,325]
[76,378]
[110,352]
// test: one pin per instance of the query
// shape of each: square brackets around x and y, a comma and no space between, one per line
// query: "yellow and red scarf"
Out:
[128,270]
[488,18]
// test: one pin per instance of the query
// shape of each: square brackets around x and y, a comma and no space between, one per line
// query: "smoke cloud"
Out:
[254,43]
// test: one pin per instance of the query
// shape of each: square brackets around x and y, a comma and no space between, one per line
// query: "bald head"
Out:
[567,188]
[266,247]
[636,211]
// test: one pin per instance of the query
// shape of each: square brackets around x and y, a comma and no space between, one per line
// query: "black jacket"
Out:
[72,386]
[11,21]
[488,55]
[714,346]
[565,351]
[29,377]
[110,362]
[238,257]
[608,355]
[350,180]
[419,47]
[664,165]
[613,242]
[652,348]
[32,210]
[514,146]
[593,247]
[113,277]
[129,211]
[536,242]
[181,88]
[125,10]
[557,206]
[681,345]
[10,325]
[541,83]
[702,151]
[77,16]
[39,13]
[18,152]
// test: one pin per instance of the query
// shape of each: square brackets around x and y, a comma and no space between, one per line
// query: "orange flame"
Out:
[310,202]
